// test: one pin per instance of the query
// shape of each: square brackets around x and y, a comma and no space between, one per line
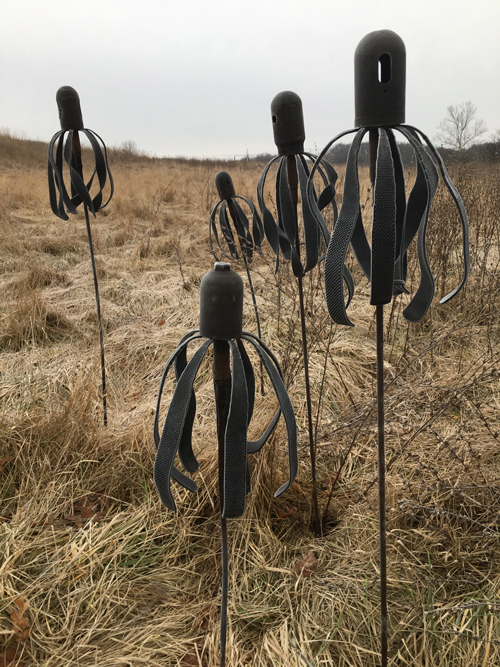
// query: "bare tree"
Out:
[460,128]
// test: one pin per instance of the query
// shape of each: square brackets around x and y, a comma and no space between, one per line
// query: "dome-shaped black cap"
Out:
[288,123]
[224,185]
[70,113]
[380,80]
[221,303]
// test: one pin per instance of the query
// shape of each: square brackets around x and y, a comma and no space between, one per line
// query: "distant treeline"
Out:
[20,153]
[486,152]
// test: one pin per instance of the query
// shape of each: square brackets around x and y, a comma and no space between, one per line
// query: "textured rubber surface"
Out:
[396,222]
[235,464]
[271,365]
[383,226]
[60,200]
[282,233]
[341,237]
[177,429]
[172,430]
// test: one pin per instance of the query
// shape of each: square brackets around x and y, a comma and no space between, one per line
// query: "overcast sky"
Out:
[196,77]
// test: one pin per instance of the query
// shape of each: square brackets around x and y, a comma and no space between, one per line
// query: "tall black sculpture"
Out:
[294,235]
[245,238]
[65,148]
[221,313]
[380,88]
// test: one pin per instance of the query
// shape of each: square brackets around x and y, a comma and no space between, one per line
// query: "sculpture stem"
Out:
[222,388]
[373,139]
[99,321]
[232,211]
[293,184]
[77,153]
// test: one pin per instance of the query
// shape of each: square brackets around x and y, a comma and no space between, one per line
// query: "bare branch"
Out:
[460,128]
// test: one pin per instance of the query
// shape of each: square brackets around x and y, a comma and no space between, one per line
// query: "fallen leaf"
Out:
[74,518]
[331,479]
[21,624]
[283,514]
[4,461]
[193,659]
[305,567]
[8,659]
[206,616]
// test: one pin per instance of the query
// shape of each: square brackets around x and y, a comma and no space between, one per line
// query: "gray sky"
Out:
[196,77]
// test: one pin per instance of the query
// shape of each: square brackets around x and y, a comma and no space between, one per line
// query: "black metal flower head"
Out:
[65,147]
[249,241]
[380,79]
[221,311]
[293,173]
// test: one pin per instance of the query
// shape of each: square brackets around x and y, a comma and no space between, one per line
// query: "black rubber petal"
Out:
[271,366]
[312,237]
[179,477]
[341,236]
[227,232]
[422,299]
[399,177]
[172,429]
[257,227]
[186,454]
[384,225]
[235,463]
[461,211]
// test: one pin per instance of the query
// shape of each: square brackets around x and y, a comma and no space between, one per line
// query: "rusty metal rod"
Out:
[222,388]
[379,314]
[234,217]
[293,183]
[77,153]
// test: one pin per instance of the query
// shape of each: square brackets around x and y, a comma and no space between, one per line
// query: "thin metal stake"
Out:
[222,387]
[234,217]
[373,140]
[293,184]
[381,482]
[77,152]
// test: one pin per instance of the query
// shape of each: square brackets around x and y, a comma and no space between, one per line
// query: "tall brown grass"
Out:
[112,577]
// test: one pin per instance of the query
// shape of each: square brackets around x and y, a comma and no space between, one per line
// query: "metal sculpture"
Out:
[249,241]
[380,79]
[290,233]
[65,148]
[221,313]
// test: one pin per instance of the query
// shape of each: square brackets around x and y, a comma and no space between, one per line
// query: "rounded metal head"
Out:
[224,185]
[70,113]
[288,123]
[221,303]
[380,80]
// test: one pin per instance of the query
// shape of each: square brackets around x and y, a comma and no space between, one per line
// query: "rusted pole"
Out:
[232,212]
[77,153]
[222,385]
[293,184]
[379,314]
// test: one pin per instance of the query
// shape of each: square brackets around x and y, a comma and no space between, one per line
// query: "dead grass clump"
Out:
[33,322]
[37,277]
[121,237]
[58,246]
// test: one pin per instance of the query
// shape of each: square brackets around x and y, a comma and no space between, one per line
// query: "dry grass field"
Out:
[110,577]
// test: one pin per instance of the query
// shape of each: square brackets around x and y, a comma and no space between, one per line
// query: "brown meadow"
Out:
[114,579]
